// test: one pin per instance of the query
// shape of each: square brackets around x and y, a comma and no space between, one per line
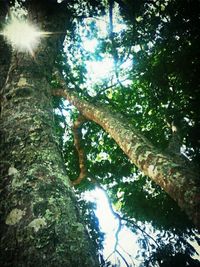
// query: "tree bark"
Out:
[4,49]
[181,183]
[40,223]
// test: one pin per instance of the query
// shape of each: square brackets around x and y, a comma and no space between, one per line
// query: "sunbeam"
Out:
[22,35]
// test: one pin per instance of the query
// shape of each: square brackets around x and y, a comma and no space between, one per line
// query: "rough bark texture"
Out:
[4,49]
[39,219]
[179,182]
[79,148]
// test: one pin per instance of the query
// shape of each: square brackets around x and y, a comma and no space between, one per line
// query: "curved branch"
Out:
[78,144]
[143,231]
[123,258]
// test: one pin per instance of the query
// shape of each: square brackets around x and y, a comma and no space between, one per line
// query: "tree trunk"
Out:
[39,221]
[181,183]
[4,49]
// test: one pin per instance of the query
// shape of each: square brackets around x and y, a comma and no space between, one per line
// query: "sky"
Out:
[128,245]
[97,70]
[128,241]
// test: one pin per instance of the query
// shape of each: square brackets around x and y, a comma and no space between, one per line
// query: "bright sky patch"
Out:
[90,45]
[100,69]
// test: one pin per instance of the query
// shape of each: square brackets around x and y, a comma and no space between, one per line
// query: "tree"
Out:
[40,221]
[39,210]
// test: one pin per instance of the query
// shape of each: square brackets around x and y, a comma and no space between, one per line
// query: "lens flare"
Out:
[22,35]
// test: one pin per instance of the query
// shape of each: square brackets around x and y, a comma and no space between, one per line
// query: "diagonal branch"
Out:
[176,179]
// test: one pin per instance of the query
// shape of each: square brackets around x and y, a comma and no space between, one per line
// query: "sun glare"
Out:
[22,35]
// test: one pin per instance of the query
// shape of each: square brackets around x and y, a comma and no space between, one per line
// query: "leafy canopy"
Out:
[154,82]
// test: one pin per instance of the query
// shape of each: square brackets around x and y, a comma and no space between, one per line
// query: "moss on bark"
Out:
[40,223]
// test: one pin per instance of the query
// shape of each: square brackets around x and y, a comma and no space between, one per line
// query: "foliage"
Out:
[87,212]
[160,43]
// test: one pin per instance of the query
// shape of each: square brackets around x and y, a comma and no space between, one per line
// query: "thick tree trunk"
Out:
[175,179]
[4,49]
[39,219]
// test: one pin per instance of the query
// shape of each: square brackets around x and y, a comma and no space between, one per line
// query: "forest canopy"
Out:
[154,83]
[151,52]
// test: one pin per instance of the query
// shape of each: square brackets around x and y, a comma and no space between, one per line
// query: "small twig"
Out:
[144,232]
[108,87]
[131,258]
[122,258]
[120,218]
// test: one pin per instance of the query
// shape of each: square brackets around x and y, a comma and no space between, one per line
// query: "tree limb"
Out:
[180,182]
[78,144]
